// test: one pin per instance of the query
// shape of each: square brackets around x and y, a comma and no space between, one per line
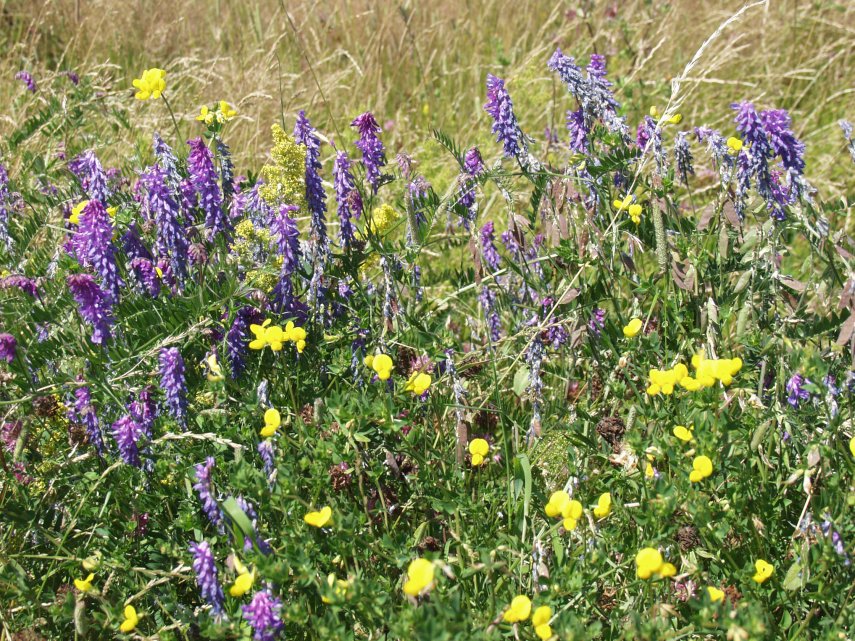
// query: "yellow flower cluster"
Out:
[626,204]
[701,468]
[707,372]
[272,421]
[763,570]
[419,577]
[381,364]
[734,146]
[519,610]
[221,114]
[151,85]
[478,450]
[243,581]
[418,383]
[382,218]
[570,510]
[649,562]
[274,336]
[285,177]
[604,506]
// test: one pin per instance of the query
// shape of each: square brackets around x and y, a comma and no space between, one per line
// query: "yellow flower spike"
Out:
[676,119]
[558,502]
[84,585]
[131,619]
[648,562]
[715,594]
[419,577]
[418,383]
[272,421]
[763,570]
[683,433]
[667,570]
[519,610]
[632,328]
[74,218]
[604,506]
[701,468]
[243,584]
[734,145]
[382,364]
[478,450]
[150,85]
[540,620]
[320,518]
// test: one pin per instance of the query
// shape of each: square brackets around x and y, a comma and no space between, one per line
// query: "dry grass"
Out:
[422,64]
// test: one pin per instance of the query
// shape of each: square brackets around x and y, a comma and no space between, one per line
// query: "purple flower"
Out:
[127,432]
[347,198]
[203,175]
[72,76]
[94,305]
[597,321]
[488,248]
[473,166]
[238,338]
[93,244]
[92,177]
[268,456]
[204,488]
[167,161]
[8,344]
[143,410]
[227,170]
[133,245]
[683,157]
[578,131]
[488,305]
[146,275]
[501,109]
[27,78]
[569,72]
[782,139]
[846,128]
[373,155]
[262,614]
[15,281]
[284,229]
[172,240]
[206,576]
[84,412]
[173,384]
[316,197]
[796,393]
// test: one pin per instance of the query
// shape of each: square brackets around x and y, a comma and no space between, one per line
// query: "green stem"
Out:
[172,115]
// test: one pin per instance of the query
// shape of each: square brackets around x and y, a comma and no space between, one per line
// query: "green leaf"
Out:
[794,579]
[238,517]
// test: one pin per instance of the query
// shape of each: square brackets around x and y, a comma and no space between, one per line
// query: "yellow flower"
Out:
[634,212]
[654,111]
[419,577]
[632,328]
[84,585]
[418,383]
[272,421]
[540,620]
[383,365]
[213,369]
[267,334]
[284,177]
[649,472]
[701,469]
[74,218]
[205,115]
[676,119]
[764,570]
[131,619]
[684,433]
[852,445]
[558,501]
[319,519]
[715,593]
[225,112]
[621,204]
[519,610]
[667,570]
[478,449]
[296,335]
[339,589]
[571,512]
[734,146]
[604,506]
[648,562]
[150,85]
[243,584]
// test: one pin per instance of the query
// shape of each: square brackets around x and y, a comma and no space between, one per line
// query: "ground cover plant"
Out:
[589,383]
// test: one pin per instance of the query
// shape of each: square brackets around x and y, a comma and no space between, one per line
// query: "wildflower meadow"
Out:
[593,382]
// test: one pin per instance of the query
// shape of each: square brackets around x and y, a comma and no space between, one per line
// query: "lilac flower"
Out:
[84,412]
[206,576]
[146,275]
[796,393]
[8,345]
[143,410]
[94,305]
[347,198]
[473,166]
[597,321]
[227,170]
[94,246]
[16,281]
[284,229]
[200,166]
[578,131]
[262,614]
[173,384]
[683,157]
[238,338]
[172,240]
[268,457]
[204,489]
[501,109]
[72,76]
[488,305]
[783,141]
[127,432]
[569,72]
[27,78]
[9,202]
[305,134]
[846,127]
[91,175]
[373,154]
[167,161]
[133,245]
[488,248]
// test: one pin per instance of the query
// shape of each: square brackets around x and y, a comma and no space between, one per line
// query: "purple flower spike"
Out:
[501,109]
[94,305]
[127,432]
[84,412]
[15,281]
[284,229]
[173,384]
[146,275]
[203,175]
[206,576]
[93,244]
[238,338]
[796,393]
[373,154]
[91,175]
[27,78]
[204,488]
[161,206]
[262,614]
[347,198]
[8,345]
[316,197]
[488,248]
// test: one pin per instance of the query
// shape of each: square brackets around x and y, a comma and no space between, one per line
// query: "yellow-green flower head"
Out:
[382,218]
[478,450]
[284,178]
[763,570]
[419,577]
[518,610]
[151,85]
